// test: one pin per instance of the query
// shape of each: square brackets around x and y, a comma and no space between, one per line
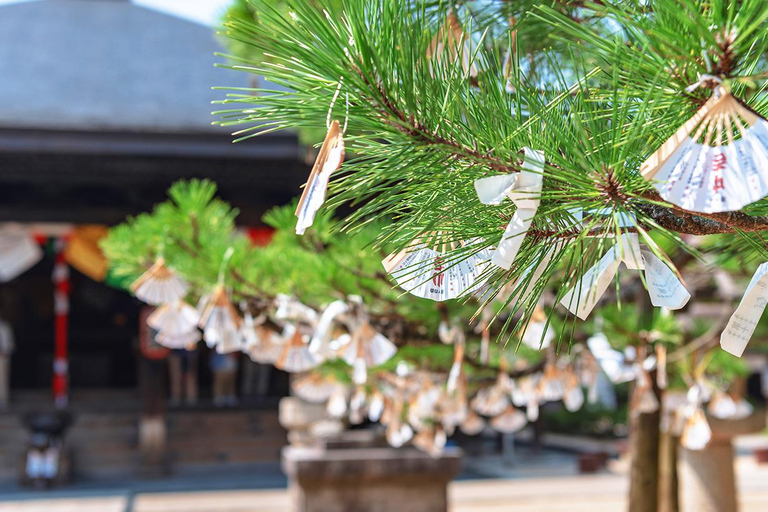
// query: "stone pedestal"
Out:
[706,477]
[298,417]
[368,479]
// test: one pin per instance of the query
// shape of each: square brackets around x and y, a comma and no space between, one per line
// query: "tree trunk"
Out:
[644,434]
[668,488]
[644,472]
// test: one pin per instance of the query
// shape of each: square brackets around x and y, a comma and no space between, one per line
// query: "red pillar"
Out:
[61,310]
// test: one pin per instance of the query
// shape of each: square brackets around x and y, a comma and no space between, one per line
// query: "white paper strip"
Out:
[18,253]
[524,190]
[612,362]
[628,251]
[664,287]
[320,343]
[535,272]
[582,298]
[743,322]
[329,159]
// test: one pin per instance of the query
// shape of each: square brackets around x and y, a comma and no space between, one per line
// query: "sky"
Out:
[205,12]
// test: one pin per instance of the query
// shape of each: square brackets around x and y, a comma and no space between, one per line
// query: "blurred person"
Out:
[7,345]
[182,367]
[224,368]
[254,379]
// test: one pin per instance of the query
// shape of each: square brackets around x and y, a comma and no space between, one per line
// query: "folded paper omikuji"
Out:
[452,43]
[741,326]
[321,343]
[454,375]
[664,287]
[428,270]
[266,347]
[524,189]
[295,356]
[716,161]
[314,388]
[185,341]
[611,361]
[328,161]
[510,421]
[175,321]
[473,424]
[220,322]
[18,253]
[367,348]
[159,285]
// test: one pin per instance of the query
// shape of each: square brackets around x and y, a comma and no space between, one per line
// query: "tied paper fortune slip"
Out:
[664,287]
[328,161]
[703,167]
[524,189]
[432,274]
[743,322]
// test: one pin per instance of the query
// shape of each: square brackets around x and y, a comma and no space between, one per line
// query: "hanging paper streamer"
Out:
[296,356]
[573,398]
[531,276]
[510,421]
[320,344]
[266,347]
[159,285]
[220,322]
[185,341]
[369,346]
[83,251]
[643,400]
[524,189]
[538,333]
[18,253]
[473,424]
[456,368]
[612,362]
[328,161]
[743,322]
[583,297]
[704,168]
[314,388]
[452,43]
[661,366]
[176,324]
[433,274]
[664,287]
[291,310]
[696,432]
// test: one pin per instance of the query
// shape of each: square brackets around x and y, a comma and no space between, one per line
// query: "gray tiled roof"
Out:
[106,64]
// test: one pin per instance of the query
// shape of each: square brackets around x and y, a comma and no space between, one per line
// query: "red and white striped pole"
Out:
[61,311]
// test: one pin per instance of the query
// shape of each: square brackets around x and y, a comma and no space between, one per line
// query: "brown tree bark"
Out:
[668,487]
[644,435]
[644,472]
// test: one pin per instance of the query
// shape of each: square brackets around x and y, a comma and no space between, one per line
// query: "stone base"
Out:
[369,479]
[707,480]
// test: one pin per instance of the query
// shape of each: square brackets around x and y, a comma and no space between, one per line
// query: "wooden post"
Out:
[61,309]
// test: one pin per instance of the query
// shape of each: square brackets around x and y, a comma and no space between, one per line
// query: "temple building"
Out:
[103,105]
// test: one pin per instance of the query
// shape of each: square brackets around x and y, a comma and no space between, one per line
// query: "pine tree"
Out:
[435,95]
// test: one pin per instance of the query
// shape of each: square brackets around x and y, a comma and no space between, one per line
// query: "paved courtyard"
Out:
[570,493]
